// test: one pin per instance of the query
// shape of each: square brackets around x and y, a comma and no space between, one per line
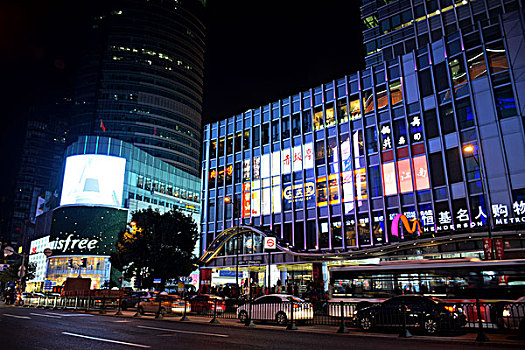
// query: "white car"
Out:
[277,307]
[514,315]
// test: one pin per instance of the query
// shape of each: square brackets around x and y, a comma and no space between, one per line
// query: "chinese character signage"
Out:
[498,248]
[487,249]
[389,179]
[299,192]
[405,176]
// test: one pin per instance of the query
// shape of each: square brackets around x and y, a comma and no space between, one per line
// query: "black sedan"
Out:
[429,315]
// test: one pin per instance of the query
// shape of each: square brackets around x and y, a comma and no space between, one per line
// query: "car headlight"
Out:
[506,313]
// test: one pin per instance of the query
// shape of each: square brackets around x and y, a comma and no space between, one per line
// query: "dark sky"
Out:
[262,51]
[257,52]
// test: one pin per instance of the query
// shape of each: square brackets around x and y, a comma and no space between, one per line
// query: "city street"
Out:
[45,329]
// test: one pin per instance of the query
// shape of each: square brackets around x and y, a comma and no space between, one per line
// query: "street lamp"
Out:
[470,149]
[229,200]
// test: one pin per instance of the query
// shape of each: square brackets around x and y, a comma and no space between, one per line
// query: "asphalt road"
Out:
[22,328]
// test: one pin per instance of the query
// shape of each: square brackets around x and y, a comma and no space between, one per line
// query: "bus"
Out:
[454,280]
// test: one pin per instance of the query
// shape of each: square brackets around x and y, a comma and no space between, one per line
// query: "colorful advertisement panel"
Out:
[405,176]
[93,179]
[389,179]
[421,173]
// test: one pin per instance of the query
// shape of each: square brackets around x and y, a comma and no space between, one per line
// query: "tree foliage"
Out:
[11,274]
[156,246]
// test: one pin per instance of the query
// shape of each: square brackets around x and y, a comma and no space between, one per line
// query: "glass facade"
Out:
[376,159]
[148,181]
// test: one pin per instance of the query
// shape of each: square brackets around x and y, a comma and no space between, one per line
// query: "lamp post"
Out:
[470,149]
[229,200]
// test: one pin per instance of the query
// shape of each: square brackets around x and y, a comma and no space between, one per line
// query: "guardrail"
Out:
[472,316]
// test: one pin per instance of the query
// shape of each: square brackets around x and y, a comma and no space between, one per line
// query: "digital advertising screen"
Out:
[93,179]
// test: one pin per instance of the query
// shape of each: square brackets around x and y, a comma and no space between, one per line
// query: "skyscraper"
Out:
[141,78]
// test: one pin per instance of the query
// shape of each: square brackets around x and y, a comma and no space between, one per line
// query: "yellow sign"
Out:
[299,192]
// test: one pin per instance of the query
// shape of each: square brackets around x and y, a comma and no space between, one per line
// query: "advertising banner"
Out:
[83,230]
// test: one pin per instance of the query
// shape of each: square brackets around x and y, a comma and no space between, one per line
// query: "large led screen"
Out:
[93,179]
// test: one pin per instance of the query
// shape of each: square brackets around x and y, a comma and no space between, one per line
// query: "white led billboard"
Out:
[93,179]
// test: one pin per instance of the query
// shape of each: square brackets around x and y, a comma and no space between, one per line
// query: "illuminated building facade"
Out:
[372,164]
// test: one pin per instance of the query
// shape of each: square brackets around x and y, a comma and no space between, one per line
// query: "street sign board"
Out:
[9,251]
[270,243]
[156,280]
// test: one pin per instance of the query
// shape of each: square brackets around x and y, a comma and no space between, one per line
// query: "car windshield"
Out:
[294,299]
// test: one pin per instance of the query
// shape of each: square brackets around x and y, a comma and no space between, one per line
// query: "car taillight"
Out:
[450,308]
[506,313]
[211,302]
[296,306]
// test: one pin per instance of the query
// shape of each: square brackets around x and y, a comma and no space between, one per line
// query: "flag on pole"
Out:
[102,126]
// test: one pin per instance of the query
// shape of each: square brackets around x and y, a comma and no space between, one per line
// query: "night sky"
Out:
[257,52]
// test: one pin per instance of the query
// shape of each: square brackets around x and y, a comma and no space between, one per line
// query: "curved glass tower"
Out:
[141,78]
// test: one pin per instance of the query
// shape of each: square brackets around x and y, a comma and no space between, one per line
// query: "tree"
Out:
[156,246]
[11,274]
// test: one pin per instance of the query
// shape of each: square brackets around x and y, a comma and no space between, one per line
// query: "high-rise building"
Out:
[374,181]
[141,78]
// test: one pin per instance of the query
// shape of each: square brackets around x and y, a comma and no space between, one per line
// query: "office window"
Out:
[330,117]
[275,131]
[476,64]
[355,108]
[368,101]
[318,120]
[453,165]
[307,121]
[446,116]
[457,70]
[396,95]
[497,57]
[221,147]
[382,98]
[505,102]
[286,126]
[425,83]
[265,134]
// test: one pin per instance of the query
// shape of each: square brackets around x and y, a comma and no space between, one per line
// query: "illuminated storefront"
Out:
[372,164]
[82,239]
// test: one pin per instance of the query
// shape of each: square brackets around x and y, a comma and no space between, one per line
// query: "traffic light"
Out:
[70,263]
[83,263]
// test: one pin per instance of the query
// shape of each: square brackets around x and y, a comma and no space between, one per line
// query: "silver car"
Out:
[277,307]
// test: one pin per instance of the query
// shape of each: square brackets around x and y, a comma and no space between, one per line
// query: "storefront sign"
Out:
[299,193]
[416,226]
[499,248]
[487,249]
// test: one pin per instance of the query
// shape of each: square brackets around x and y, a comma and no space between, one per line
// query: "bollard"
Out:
[159,315]
[119,313]
[342,328]
[54,304]
[405,333]
[103,306]
[214,319]
[481,337]
[184,318]
[291,325]
[88,303]
[249,322]
[137,314]
[76,303]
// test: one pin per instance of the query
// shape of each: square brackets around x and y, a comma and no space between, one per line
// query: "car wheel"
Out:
[430,326]
[141,310]
[365,323]
[281,319]
[243,316]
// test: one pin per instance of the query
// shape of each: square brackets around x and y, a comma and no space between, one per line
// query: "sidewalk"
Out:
[496,339]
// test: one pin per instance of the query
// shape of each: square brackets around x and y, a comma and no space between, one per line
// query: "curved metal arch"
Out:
[219,241]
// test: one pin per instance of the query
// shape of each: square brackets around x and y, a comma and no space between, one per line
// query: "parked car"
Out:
[205,303]
[277,307]
[430,315]
[514,315]
[168,304]
[132,299]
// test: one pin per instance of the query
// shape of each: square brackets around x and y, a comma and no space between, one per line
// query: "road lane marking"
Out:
[106,340]
[44,315]
[122,321]
[187,332]
[17,316]
[68,315]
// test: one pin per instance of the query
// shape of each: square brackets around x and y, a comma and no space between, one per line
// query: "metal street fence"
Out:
[468,316]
